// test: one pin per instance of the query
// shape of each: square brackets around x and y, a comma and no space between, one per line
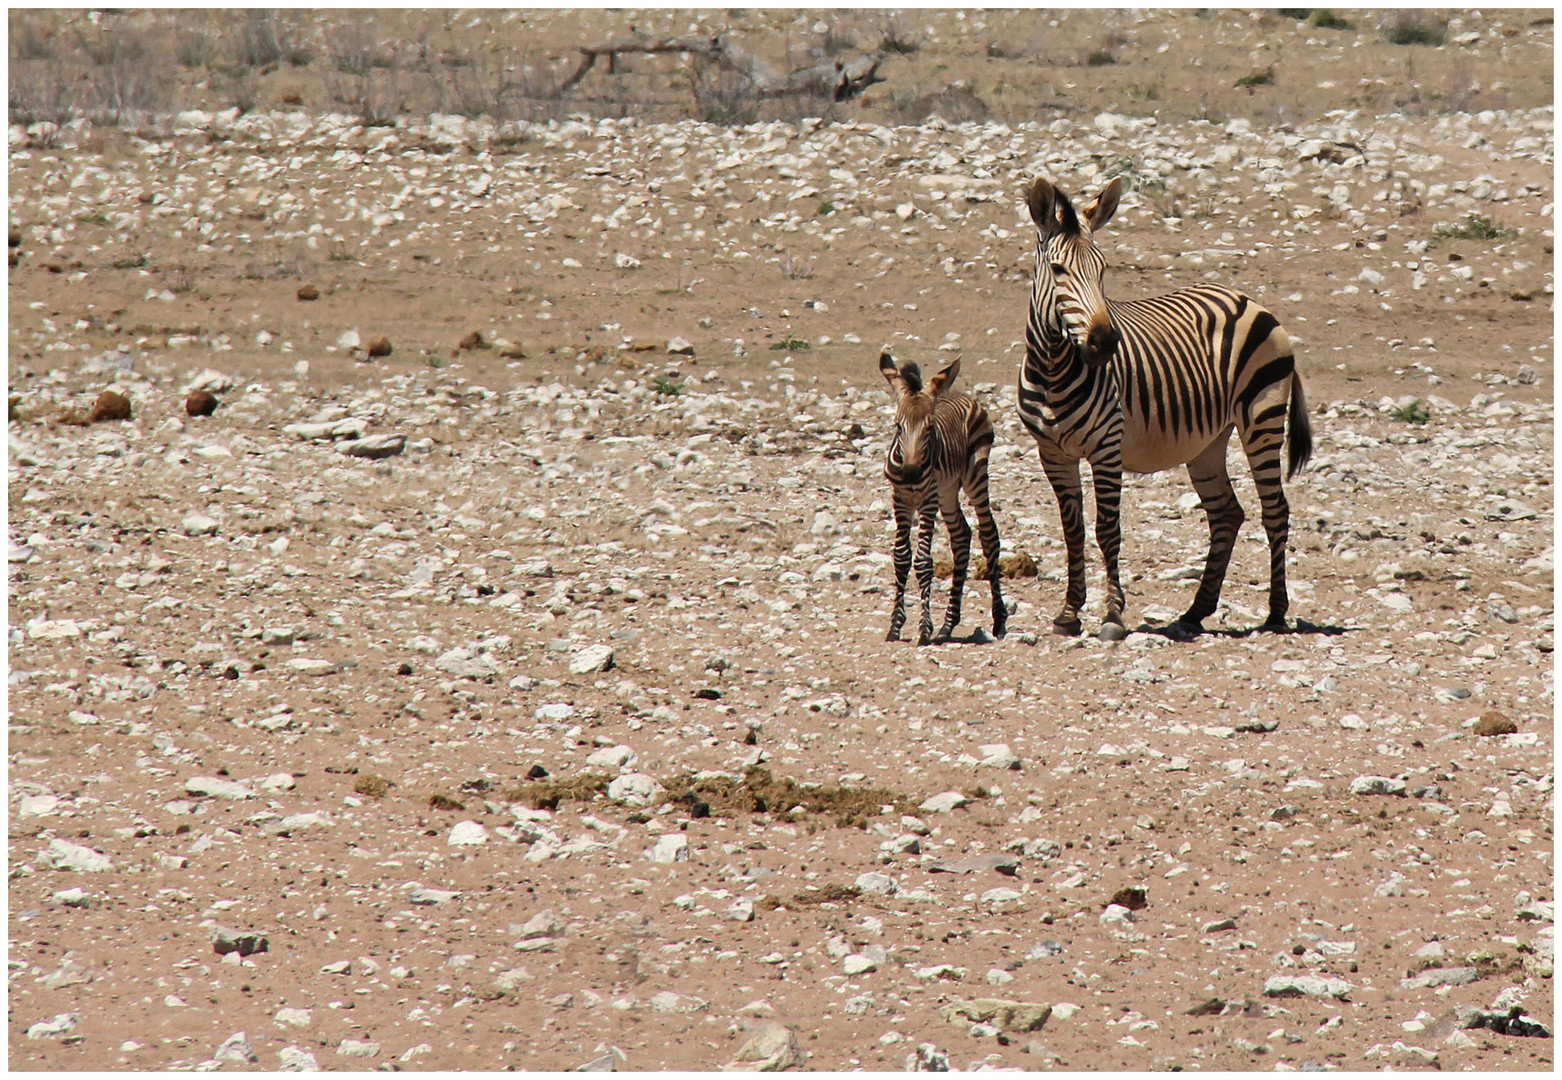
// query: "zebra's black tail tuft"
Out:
[913,376]
[1299,430]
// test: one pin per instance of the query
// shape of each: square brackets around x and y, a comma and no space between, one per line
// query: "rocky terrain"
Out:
[495,676]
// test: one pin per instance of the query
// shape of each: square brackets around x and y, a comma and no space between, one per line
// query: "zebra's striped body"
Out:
[1146,385]
[942,440]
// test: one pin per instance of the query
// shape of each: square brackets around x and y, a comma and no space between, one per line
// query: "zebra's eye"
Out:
[1059,270]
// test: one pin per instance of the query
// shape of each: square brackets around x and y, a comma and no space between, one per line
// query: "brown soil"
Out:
[377,649]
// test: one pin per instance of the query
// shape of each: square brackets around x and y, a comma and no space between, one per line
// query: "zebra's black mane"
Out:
[913,376]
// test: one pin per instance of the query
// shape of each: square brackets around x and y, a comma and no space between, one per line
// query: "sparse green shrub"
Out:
[1473,227]
[1413,28]
[666,386]
[827,208]
[1299,14]
[1324,19]
[791,344]
[795,270]
[1100,58]
[893,42]
[1413,412]
[1257,78]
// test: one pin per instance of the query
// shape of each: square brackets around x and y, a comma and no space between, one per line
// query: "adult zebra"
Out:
[1146,385]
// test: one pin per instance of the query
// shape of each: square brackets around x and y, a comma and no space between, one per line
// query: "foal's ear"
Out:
[897,385]
[1099,212]
[944,379]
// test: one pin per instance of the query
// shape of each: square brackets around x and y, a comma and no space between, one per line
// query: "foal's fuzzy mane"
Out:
[913,376]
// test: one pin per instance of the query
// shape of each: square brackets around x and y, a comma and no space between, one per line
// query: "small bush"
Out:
[1473,227]
[43,95]
[827,208]
[1413,29]
[894,42]
[1100,58]
[666,386]
[1299,14]
[1413,412]
[28,42]
[1324,19]
[794,270]
[791,344]
[1258,78]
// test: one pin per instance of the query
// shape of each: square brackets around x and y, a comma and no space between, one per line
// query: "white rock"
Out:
[591,658]
[37,805]
[198,524]
[467,834]
[293,1017]
[236,1047]
[349,339]
[46,629]
[217,788]
[635,789]
[57,1025]
[611,757]
[943,802]
[64,855]
[465,663]
[857,964]
[374,447]
[877,883]
[430,897]
[1116,914]
[296,1059]
[1291,985]
[1376,785]
[358,1048]
[998,756]
[669,849]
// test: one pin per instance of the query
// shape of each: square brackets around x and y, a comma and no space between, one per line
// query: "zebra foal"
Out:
[1147,385]
[940,447]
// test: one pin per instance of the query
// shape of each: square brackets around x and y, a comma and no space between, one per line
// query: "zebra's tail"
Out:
[1299,430]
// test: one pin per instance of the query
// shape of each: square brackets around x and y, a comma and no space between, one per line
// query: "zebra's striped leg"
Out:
[1213,483]
[987,530]
[1107,477]
[960,548]
[1063,473]
[1262,441]
[928,519]
[903,518]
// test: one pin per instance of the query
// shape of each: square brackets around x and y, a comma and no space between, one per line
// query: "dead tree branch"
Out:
[834,79]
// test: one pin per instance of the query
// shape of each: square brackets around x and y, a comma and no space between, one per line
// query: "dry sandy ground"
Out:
[330,666]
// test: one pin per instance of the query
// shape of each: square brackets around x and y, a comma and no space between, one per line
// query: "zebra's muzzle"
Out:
[1101,345]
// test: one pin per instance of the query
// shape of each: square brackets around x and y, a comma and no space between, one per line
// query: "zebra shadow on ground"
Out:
[1299,626]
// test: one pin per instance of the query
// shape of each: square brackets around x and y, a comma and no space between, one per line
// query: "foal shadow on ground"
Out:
[1300,626]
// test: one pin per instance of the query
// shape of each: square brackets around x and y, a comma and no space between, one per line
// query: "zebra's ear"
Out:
[897,385]
[1050,209]
[944,379]
[1100,212]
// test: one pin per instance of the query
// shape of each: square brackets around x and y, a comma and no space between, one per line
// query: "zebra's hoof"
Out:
[1066,627]
[1000,627]
[893,635]
[1112,632]
[943,636]
[924,639]
[1274,625]
[1184,631]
